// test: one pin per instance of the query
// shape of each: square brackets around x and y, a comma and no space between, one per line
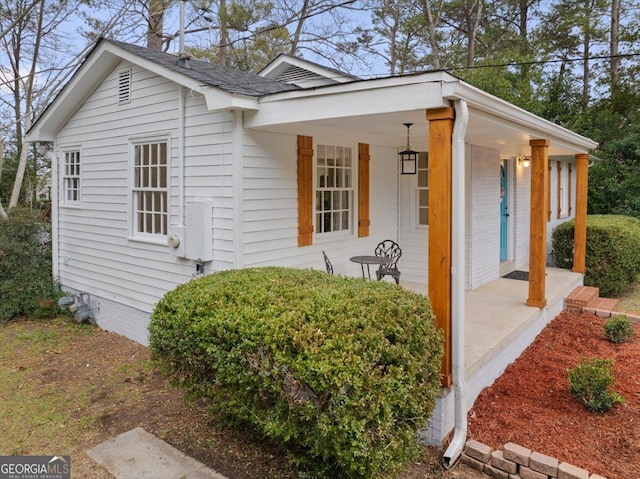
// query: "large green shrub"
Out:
[340,371]
[26,285]
[613,251]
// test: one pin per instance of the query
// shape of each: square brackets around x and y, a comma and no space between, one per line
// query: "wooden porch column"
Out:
[580,229]
[440,163]
[538,222]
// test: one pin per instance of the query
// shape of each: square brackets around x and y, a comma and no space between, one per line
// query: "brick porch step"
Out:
[580,298]
[602,307]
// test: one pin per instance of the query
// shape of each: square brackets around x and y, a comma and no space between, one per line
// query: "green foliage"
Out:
[613,251]
[590,383]
[618,329]
[340,371]
[26,286]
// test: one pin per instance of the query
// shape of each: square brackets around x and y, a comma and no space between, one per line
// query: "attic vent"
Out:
[294,73]
[124,86]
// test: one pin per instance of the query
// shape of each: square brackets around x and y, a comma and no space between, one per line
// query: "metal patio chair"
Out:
[327,263]
[391,250]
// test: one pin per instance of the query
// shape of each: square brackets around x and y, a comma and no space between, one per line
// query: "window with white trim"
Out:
[422,190]
[334,189]
[71,177]
[150,192]
[564,189]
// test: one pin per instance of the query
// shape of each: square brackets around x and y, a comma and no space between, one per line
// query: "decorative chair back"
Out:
[327,263]
[391,250]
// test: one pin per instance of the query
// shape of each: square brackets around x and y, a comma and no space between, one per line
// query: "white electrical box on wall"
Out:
[198,235]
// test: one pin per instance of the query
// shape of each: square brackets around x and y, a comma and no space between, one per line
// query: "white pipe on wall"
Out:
[181,122]
[456,446]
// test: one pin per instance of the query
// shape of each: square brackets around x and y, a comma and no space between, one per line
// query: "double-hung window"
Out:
[150,192]
[334,189]
[422,190]
[71,177]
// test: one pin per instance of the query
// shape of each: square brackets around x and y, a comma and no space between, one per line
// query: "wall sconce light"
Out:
[524,161]
[408,157]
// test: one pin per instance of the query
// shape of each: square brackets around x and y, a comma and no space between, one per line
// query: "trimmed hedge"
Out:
[26,285]
[613,251]
[341,371]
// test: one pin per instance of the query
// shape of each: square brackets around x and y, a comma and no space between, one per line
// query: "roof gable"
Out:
[223,88]
[303,73]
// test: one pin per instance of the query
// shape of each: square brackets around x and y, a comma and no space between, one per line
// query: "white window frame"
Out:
[419,189]
[72,176]
[150,192]
[336,191]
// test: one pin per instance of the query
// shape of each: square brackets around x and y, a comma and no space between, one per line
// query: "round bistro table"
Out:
[368,260]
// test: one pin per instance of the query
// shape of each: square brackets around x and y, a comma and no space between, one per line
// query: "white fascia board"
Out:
[219,100]
[494,106]
[348,100]
[75,92]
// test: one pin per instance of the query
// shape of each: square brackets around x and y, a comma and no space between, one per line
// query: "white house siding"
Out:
[94,252]
[522,212]
[270,205]
[208,174]
[483,216]
[413,238]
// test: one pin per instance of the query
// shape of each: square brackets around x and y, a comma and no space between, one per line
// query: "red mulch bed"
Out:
[530,404]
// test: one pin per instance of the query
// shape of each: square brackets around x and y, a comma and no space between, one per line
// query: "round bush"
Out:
[590,383]
[613,251]
[341,371]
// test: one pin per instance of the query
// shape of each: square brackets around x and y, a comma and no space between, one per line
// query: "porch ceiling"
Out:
[374,112]
[387,129]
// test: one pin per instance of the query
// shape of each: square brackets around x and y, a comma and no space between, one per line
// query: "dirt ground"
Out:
[67,388]
[530,404]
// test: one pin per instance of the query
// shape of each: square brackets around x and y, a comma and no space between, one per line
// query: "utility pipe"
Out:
[456,446]
[181,155]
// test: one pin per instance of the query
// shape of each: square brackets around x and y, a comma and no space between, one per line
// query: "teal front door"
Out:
[504,211]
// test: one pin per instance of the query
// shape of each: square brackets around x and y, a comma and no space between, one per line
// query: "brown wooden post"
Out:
[580,229]
[440,163]
[538,222]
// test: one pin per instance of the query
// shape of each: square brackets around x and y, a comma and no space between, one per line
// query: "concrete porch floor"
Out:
[497,314]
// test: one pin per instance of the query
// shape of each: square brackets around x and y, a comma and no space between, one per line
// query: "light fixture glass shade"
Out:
[524,161]
[409,162]
[408,157]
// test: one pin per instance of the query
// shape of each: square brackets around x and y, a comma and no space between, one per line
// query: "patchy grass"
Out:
[630,301]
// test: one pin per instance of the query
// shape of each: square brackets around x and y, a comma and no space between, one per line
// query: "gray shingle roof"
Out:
[232,81]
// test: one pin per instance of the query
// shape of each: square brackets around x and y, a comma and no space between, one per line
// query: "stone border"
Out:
[517,462]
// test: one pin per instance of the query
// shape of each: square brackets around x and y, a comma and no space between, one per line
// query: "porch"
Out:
[498,328]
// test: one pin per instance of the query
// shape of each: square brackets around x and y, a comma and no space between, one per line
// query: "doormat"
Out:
[521,275]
